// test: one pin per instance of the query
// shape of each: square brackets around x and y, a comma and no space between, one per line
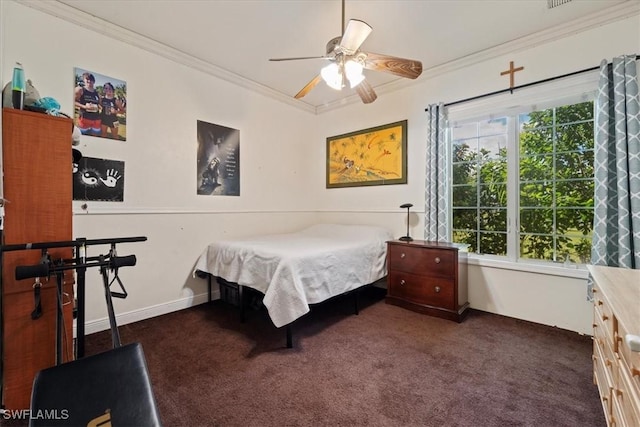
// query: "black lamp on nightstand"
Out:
[407,238]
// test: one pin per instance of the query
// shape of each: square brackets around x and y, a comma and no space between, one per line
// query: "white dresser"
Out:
[616,343]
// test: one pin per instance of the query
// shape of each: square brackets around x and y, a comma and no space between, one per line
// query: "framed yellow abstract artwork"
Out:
[375,156]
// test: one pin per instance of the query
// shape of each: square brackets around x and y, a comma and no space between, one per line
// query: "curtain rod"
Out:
[498,92]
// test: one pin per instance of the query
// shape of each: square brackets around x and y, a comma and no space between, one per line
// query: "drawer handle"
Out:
[437,260]
[437,289]
[402,255]
[402,282]
[605,317]
[599,302]
[633,341]
[635,372]
[607,362]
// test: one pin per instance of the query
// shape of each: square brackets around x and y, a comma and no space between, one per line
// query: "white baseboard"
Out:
[147,312]
[94,326]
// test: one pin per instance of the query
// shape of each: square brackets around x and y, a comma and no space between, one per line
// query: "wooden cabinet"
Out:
[428,277]
[616,343]
[37,185]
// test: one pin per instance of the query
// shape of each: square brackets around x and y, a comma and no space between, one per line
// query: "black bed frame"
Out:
[288,331]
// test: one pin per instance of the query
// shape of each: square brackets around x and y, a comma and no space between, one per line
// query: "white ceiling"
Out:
[235,38]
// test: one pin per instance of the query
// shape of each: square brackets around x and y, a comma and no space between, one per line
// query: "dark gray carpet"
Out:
[386,366]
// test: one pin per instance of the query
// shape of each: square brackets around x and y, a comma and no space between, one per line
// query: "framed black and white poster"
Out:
[98,180]
[218,163]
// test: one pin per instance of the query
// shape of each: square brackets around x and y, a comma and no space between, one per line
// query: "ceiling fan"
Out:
[347,62]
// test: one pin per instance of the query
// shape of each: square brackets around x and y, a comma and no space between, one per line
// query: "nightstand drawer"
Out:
[432,291]
[428,261]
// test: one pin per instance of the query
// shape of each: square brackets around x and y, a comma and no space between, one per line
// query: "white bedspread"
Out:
[297,269]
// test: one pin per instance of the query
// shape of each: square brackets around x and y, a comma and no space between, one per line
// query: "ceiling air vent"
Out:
[555,3]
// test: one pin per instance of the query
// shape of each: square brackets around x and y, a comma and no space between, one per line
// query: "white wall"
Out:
[282,161]
[550,296]
[165,99]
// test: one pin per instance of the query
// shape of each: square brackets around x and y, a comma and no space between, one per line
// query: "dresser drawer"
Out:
[602,378]
[628,400]
[429,261]
[605,343]
[630,360]
[603,313]
[616,293]
[433,291]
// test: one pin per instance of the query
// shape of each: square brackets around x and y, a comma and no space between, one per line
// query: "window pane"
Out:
[493,219]
[493,243]
[465,150]
[464,131]
[579,220]
[574,193]
[556,182]
[537,246]
[538,194]
[493,127]
[468,237]
[536,131]
[493,146]
[575,112]
[536,221]
[465,195]
[464,173]
[575,137]
[575,165]
[465,219]
[493,171]
[493,195]
[536,168]
[575,247]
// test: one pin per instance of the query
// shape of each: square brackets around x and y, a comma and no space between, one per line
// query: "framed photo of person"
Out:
[100,105]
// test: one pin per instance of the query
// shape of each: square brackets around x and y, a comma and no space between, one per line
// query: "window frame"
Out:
[563,91]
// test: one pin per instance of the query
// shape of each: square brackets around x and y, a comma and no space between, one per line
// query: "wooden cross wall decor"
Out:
[511,71]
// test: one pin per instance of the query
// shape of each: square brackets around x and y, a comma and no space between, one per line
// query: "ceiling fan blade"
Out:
[301,57]
[366,92]
[354,35]
[305,90]
[390,64]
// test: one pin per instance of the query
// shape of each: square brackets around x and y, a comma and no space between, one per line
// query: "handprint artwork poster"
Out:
[98,180]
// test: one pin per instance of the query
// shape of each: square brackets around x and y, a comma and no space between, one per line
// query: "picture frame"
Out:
[373,156]
[100,105]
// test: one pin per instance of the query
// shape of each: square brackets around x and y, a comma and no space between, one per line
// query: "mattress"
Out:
[294,270]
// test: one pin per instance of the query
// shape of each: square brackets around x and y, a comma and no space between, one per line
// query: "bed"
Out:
[295,270]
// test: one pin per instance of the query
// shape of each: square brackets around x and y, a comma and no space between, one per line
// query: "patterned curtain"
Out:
[616,226]
[436,189]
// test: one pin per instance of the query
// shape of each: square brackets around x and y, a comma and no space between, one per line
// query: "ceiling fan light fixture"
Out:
[332,76]
[353,70]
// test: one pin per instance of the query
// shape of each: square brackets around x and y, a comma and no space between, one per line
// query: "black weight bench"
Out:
[106,389]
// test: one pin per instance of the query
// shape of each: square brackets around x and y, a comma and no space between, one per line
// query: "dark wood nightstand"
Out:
[428,277]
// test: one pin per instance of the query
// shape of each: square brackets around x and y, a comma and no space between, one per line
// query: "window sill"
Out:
[575,271]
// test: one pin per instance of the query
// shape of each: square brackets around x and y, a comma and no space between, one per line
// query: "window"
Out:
[522,183]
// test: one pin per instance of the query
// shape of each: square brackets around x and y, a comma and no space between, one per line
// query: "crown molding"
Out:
[85,20]
[615,13]
[618,12]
